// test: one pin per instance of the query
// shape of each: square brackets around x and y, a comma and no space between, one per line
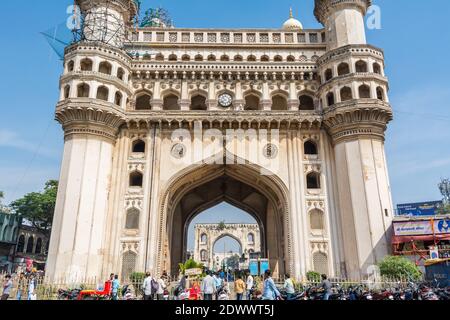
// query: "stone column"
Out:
[365,202]
[76,248]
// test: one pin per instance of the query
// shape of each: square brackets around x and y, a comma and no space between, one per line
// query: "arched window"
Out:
[310,148]
[86,64]
[380,93]
[198,102]
[364,92]
[186,57]
[211,57]
[251,58]
[146,56]
[118,98]
[70,66]
[265,58]
[173,57]
[83,90]
[136,179]
[343,69]
[66,91]
[328,75]
[120,74]
[252,102]
[143,102]
[129,260]
[238,58]
[306,102]
[138,146]
[320,263]
[361,66]
[278,58]
[203,255]
[290,59]
[224,58]
[303,58]
[313,180]
[170,102]
[159,57]
[376,68]
[279,103]
[21,244]
[105,67]
[251,238]
[346,94]
[132,219]
[30,245]
[316,220]
[38,249]
[204,238]
[102,93]
[198,57]
[330,99]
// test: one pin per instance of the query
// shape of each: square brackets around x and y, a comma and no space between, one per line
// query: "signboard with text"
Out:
[422,227]
[419,209]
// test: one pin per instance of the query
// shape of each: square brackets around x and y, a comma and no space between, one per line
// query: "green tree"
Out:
[398,267]
[38,207]
[221,226]
[233,262]
[313,276]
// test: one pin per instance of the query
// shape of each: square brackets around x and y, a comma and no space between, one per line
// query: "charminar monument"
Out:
[163,123]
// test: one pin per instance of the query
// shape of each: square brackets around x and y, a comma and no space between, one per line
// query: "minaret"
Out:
[343,21]
[94,93]
[356,111]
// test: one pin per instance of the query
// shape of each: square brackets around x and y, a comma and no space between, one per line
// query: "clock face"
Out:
[225,100]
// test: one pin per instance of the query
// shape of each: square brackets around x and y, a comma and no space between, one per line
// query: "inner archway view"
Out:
[225,237]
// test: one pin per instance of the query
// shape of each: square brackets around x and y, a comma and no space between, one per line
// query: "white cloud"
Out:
[11,139]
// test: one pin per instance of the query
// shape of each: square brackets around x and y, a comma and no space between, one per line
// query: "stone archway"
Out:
[200,187]
[207,235]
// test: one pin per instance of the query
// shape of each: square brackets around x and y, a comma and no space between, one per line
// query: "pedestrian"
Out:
[21,286]
[31,288]
[239,288]
[289,287]
[218,283]
[270,291]
[161,288]
[115,288]
[326,286]
[195,291]
[7,286]
[208,286]
[180,287]
[250,283]
[147,286]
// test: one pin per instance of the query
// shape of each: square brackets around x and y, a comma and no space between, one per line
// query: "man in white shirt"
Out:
[147,286]
[250,283]
[208,287]
[162,287]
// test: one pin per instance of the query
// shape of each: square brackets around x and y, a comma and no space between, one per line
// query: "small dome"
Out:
[292,24]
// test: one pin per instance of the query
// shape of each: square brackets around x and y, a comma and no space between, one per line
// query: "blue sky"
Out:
[414,35]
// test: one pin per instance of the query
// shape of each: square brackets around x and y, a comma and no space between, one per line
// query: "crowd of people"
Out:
[213,286]
[26,287]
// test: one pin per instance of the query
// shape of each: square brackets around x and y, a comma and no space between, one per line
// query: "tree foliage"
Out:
[189,264]
[233,262]
[38,207]
[313,276]
[398,267]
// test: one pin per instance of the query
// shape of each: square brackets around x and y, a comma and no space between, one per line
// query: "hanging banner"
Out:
[437,226]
